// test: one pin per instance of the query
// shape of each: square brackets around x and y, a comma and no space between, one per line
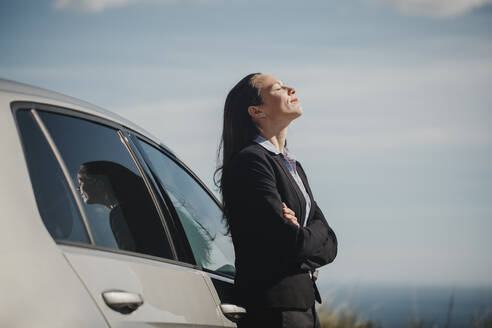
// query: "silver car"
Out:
[102,225]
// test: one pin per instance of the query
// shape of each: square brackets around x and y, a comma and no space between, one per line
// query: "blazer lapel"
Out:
[298,191]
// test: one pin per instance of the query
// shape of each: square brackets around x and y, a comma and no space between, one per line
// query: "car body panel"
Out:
[35,277]
[217,298]
[45,284]
[165,289]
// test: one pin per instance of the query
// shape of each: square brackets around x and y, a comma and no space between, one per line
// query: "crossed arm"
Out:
[310,247]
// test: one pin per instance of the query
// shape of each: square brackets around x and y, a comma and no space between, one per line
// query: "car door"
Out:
[119,244]
[200,221]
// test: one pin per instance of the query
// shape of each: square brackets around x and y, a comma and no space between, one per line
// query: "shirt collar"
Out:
[265,143]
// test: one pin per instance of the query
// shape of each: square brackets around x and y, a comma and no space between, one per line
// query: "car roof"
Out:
[25,92]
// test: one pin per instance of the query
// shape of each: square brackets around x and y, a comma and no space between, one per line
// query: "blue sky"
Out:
[396,133]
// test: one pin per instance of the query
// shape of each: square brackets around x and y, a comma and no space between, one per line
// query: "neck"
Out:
[275,136]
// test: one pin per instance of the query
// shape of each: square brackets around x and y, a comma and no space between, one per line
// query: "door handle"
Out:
[121,301]
[233,312]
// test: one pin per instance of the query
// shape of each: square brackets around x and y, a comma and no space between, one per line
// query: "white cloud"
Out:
[434,8]
[101,5]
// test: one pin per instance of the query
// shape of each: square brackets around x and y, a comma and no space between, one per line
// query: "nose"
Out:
[291,90]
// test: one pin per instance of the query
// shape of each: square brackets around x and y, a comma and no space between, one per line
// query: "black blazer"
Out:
[273,256]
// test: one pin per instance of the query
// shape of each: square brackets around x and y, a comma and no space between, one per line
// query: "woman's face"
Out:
[92,189]
[279,100]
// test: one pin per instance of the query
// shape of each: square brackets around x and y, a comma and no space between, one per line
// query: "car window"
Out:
[55,201]
[118,206]
[199,214]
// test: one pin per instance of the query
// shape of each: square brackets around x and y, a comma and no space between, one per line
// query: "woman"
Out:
[279,233]
[124,195]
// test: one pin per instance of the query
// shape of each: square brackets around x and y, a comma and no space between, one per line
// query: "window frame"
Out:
[160,204]
[58,161]
[183,249]
[193,176]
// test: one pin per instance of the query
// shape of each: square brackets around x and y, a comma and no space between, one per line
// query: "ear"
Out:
[255,112]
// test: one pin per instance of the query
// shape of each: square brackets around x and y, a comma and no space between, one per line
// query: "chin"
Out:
[295,115]
[299,112]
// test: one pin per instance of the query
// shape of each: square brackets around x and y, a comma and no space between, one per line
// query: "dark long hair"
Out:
[238,130]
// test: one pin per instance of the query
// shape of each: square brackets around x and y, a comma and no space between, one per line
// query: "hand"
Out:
[314,274]
[289,214]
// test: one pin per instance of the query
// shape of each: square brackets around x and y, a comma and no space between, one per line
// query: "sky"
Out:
[396,133]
